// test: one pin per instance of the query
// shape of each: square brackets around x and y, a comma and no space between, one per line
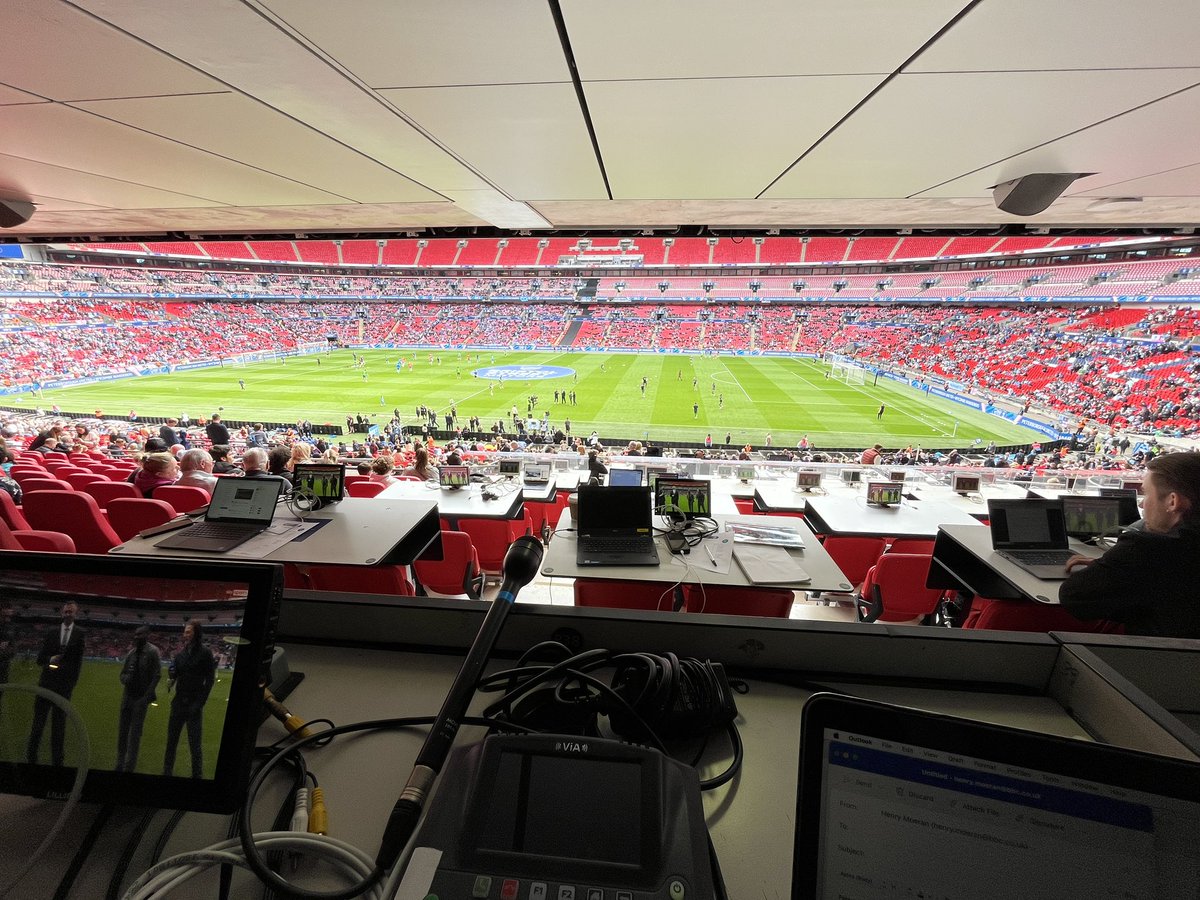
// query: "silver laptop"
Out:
[1033,535]
[239,509]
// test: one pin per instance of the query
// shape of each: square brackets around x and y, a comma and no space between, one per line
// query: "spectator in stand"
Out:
[221,463]
[257,437]
[156,470]
[421,467]
[278,461]
[331,455]
[197,467]
[172,435]
[1148,580]
[300,453]
[871,454]
[596,468]
[254,463]
[216,431]
[381,470]
[85,439]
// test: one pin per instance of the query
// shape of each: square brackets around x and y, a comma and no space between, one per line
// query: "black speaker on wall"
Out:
[14,212]
[1030,194]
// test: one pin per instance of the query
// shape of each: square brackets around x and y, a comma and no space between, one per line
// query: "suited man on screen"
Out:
[61,659]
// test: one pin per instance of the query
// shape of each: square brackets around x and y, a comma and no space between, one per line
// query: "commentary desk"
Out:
[823,572]
[467,502]
[851,516]
[963,558]
[355,531]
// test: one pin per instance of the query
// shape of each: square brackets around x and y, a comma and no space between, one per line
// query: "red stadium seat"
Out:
[389,580]
[10,513]
[1025,615]
[911,545]
[129,515]
[184,499]
[647,595]
[32,485]
[491,538]
[739,601]
[894,590]
[365,488]
[78,480]
[37,541]
[854,555]
[107,491]
[457,573]
[74,513]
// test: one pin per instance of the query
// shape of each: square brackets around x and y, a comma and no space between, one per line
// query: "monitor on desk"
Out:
[454,476]
[686,498]
[510,468]
[852,476]
[745,474]
[624,477]
[151,644]
[897,474]
[884,493]
[325,481]
[807,480]
[1093,517]
[965,484]
[896,802]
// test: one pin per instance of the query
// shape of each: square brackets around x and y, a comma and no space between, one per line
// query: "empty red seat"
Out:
[365,488]
[107,491]
[129,515]
[740,601]
[183,498]
[457,573]
[74,513]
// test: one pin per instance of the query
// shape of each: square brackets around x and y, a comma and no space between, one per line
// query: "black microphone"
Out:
[521,564]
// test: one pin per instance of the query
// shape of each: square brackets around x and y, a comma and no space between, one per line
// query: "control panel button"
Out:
[538,891]
[595,894]
[482,887]
[675,890]
[566,892]
[509,888]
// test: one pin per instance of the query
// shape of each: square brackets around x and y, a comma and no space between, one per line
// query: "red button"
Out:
[508,890]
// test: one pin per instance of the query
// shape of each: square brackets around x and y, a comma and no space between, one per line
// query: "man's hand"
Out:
[1078,561]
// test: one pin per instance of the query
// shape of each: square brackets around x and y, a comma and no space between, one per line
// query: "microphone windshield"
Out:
[522,560]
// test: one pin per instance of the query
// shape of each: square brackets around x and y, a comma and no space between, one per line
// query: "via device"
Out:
[550,816]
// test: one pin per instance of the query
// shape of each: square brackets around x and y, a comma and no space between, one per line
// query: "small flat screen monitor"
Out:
[454,476]
[884,493]
[510,468]
[1133,485]
[149,640]
[624,477]
[806,480]
[326,482]
[653,473]
[852,476]
[686,497]
[897,474]
[1092,517]
[745,473]
[965,484]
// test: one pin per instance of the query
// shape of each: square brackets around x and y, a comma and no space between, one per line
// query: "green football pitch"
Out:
[746,398]
[97,697]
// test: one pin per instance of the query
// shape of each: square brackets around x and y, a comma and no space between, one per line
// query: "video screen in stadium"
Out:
[325,482]
[883,493]
[454,476]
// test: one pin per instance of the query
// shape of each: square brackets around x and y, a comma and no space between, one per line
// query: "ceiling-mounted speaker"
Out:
[14,212]
[1030,194]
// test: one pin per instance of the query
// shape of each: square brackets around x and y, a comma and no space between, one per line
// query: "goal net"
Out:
[847,370]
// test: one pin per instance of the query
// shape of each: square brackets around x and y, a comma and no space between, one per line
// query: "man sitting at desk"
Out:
[1149,580]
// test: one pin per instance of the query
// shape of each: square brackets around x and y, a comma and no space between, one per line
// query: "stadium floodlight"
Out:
[462,242]
[758,241]
[668,242]
[584,243]
[422,244]
[626,244]
[927,283]
[543,243]
[502,243]
[712,241]
[799,285]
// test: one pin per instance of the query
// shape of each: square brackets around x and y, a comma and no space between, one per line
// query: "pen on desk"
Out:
[708,550]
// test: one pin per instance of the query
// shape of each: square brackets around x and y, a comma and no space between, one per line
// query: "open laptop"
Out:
[325,481]
[624,477]
[615,527]
[239,509]
[1033,535]
[896,802]
[683,498]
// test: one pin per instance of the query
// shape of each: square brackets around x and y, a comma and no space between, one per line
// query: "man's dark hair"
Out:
[197,630]
[1180,472]
[220,452]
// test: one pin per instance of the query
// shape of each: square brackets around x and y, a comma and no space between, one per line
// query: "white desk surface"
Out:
[752,819]
[465,502]
[912,518]
[358,531]
[978,542]
[823,571]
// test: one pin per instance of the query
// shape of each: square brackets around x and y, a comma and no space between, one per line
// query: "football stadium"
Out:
[620,358]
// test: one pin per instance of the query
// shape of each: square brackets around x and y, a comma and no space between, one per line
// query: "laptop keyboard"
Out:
[1042,557]
[617,545]
[217,530]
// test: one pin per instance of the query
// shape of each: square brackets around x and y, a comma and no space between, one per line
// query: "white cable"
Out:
[85,760]
[169,874]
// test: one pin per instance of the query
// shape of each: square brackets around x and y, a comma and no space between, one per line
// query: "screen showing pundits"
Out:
[900,820]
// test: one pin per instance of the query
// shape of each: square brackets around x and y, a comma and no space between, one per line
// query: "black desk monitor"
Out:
[852,476]
[325,481]
[745,474]
[965,484]
[686,498]
[1092,517]
[510,468]
[897,474]
[895,802]
[235,605]
[454,476]
[807,480]
[884,493]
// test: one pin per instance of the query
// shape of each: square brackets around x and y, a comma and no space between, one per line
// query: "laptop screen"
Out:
[624,477]
[900,803]
[689,496]
[454,476]
[510,468]
[1027,525]
[1089,517]
[248,500]
[605,510]
[326,482]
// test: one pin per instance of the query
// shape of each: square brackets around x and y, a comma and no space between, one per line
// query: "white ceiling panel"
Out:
[708,138]
[90,59]
[237,127]
[26,177]
[1181,182]
[1009,35]
[921,130]
[720,39]
[56,204]
[9,95]
[118,151]
[432,43]
[530,140]
[1156,138]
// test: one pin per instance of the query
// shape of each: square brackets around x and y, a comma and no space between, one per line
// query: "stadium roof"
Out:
[122,117]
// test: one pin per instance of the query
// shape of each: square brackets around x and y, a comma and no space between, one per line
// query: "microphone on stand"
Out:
[521,564]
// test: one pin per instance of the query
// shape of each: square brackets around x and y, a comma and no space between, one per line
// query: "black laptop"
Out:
[239,509]
[615,527]
[895,802]
[1033,535]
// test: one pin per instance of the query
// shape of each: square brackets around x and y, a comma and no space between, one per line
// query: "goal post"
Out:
[845,369]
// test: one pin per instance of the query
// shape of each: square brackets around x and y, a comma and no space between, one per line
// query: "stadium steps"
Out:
[572,331]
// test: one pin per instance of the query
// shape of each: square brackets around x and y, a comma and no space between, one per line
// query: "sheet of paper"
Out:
[713,554]
[280,533]
[767,564]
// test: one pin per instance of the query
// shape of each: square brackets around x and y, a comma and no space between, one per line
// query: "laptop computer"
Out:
[624,477]
[1088,518]
[537,474]
[615,527]
[897,802]
[325,481]
[685,498]
[1033,535]
[239,509]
